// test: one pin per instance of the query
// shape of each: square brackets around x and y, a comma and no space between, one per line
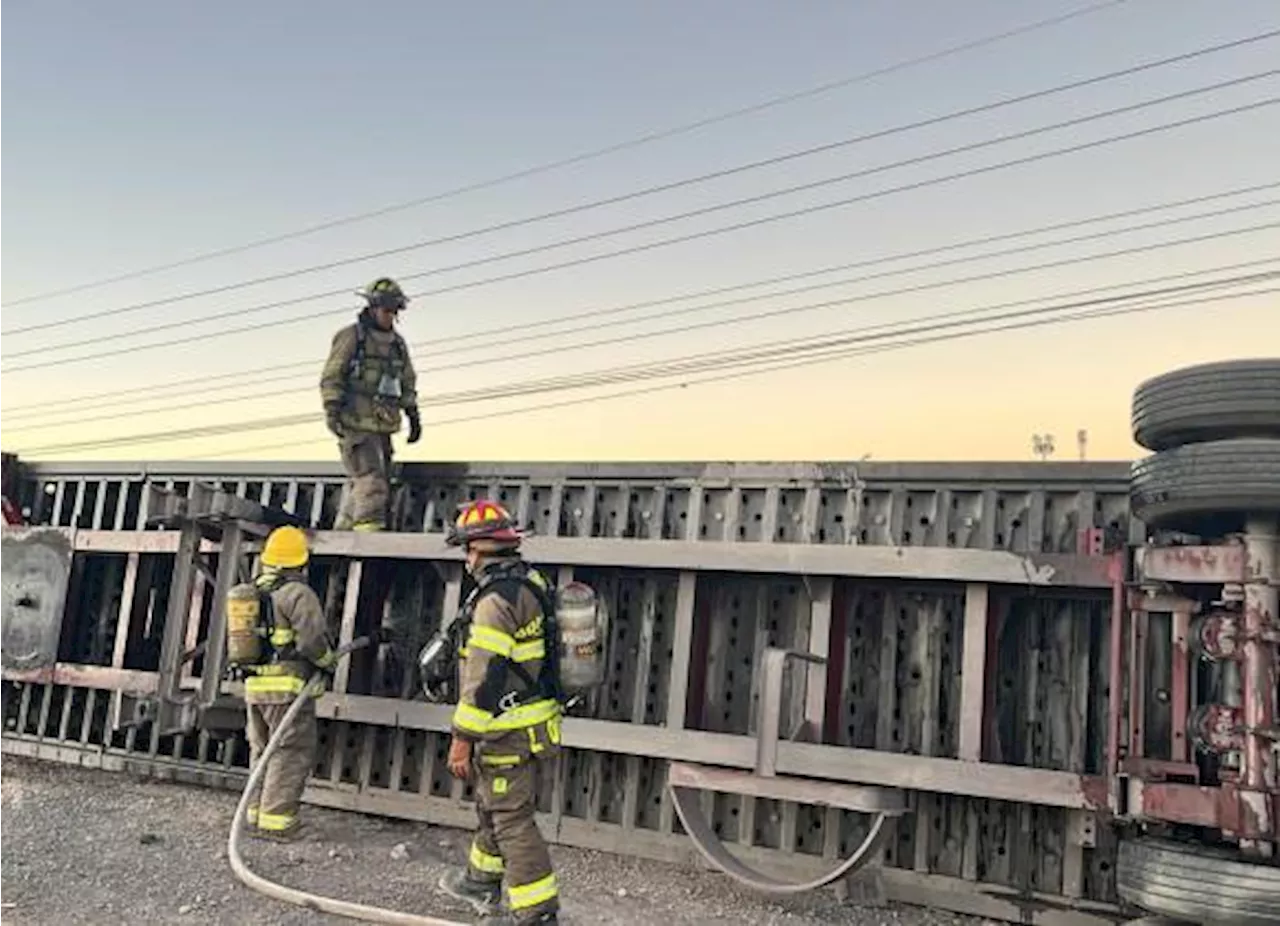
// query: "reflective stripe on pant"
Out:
[506,800]
[366,457]
[484,860]
[280,794]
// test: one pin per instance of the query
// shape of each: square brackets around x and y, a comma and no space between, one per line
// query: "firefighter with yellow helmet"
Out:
[507,721]
[276,638]
[368,381]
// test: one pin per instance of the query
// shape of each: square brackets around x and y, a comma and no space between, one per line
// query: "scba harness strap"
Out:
[355,368]
[508,579]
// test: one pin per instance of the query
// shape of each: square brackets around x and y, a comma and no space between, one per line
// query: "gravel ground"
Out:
[88,847]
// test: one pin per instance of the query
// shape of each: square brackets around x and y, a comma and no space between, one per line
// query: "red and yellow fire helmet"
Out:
[483,520]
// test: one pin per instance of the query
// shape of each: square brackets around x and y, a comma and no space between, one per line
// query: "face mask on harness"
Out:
[438,663]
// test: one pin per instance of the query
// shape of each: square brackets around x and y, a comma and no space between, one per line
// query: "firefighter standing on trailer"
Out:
[367,382]
[283,614]
[507,720]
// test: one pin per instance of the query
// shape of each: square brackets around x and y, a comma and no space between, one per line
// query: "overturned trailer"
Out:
[987,687]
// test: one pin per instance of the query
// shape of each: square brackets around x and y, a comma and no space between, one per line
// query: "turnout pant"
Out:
[274,808]
[366,457]
[507,845]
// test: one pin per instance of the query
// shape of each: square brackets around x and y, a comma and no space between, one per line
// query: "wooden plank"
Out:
[342,675]
[678,683]
[639,697]
[817,761]
[815,701]
[346,632]
[103,678]
[860,798]
[927,655]
[973,672]
[193,624]
[996,567]
[127,593]
[760,640]
[834,763]
[1047,570]
[681,647]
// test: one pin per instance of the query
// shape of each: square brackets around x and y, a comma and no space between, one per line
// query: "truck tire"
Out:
[1177,488]
[1198,884]
[1208,402]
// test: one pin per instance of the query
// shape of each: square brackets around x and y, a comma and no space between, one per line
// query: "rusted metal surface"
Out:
[1258,664]
[988,699]
[36,575]
[1202,686]
[1217,564]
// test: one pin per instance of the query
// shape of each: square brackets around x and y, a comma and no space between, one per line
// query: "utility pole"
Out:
[1042,446]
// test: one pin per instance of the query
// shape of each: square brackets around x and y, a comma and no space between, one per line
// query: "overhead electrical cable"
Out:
[924,324]
[580,158]
[648,191]
[632,227]
[205,401]
[836,356]
[1149,130]
[116,398]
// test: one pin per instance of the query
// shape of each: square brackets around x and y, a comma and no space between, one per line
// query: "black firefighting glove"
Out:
[415,425]
[333,418]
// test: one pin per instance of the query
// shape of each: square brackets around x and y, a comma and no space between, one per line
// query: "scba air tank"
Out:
[582,622]
[244,614]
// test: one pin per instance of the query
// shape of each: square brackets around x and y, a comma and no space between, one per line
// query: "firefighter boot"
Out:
[510,919]
[484,896]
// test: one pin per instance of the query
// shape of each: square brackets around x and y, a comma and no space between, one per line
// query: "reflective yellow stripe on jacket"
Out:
[472,719]
[274,678]
[503,644]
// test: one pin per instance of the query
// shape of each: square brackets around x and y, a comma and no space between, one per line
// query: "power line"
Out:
[778,367]
[201,383]
[579,158]
[206,402]
[920,325]
[808,361]
[636,226]
[637,194]
[1149,130]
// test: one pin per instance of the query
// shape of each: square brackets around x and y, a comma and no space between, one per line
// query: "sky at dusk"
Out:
[143,134]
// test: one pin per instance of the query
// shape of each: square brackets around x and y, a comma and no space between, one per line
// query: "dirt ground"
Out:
[88,847]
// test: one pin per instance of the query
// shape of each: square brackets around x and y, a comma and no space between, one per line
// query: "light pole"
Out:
[1042,446]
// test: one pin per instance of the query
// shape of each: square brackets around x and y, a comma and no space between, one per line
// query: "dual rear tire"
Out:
[1215,430]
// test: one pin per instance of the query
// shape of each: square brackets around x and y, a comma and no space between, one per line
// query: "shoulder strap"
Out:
[549,678]
[546,682]
[357,356]
[267,618]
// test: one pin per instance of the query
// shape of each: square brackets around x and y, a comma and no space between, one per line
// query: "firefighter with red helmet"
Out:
[507,720]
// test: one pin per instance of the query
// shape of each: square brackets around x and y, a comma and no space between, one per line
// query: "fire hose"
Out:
[355,911]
